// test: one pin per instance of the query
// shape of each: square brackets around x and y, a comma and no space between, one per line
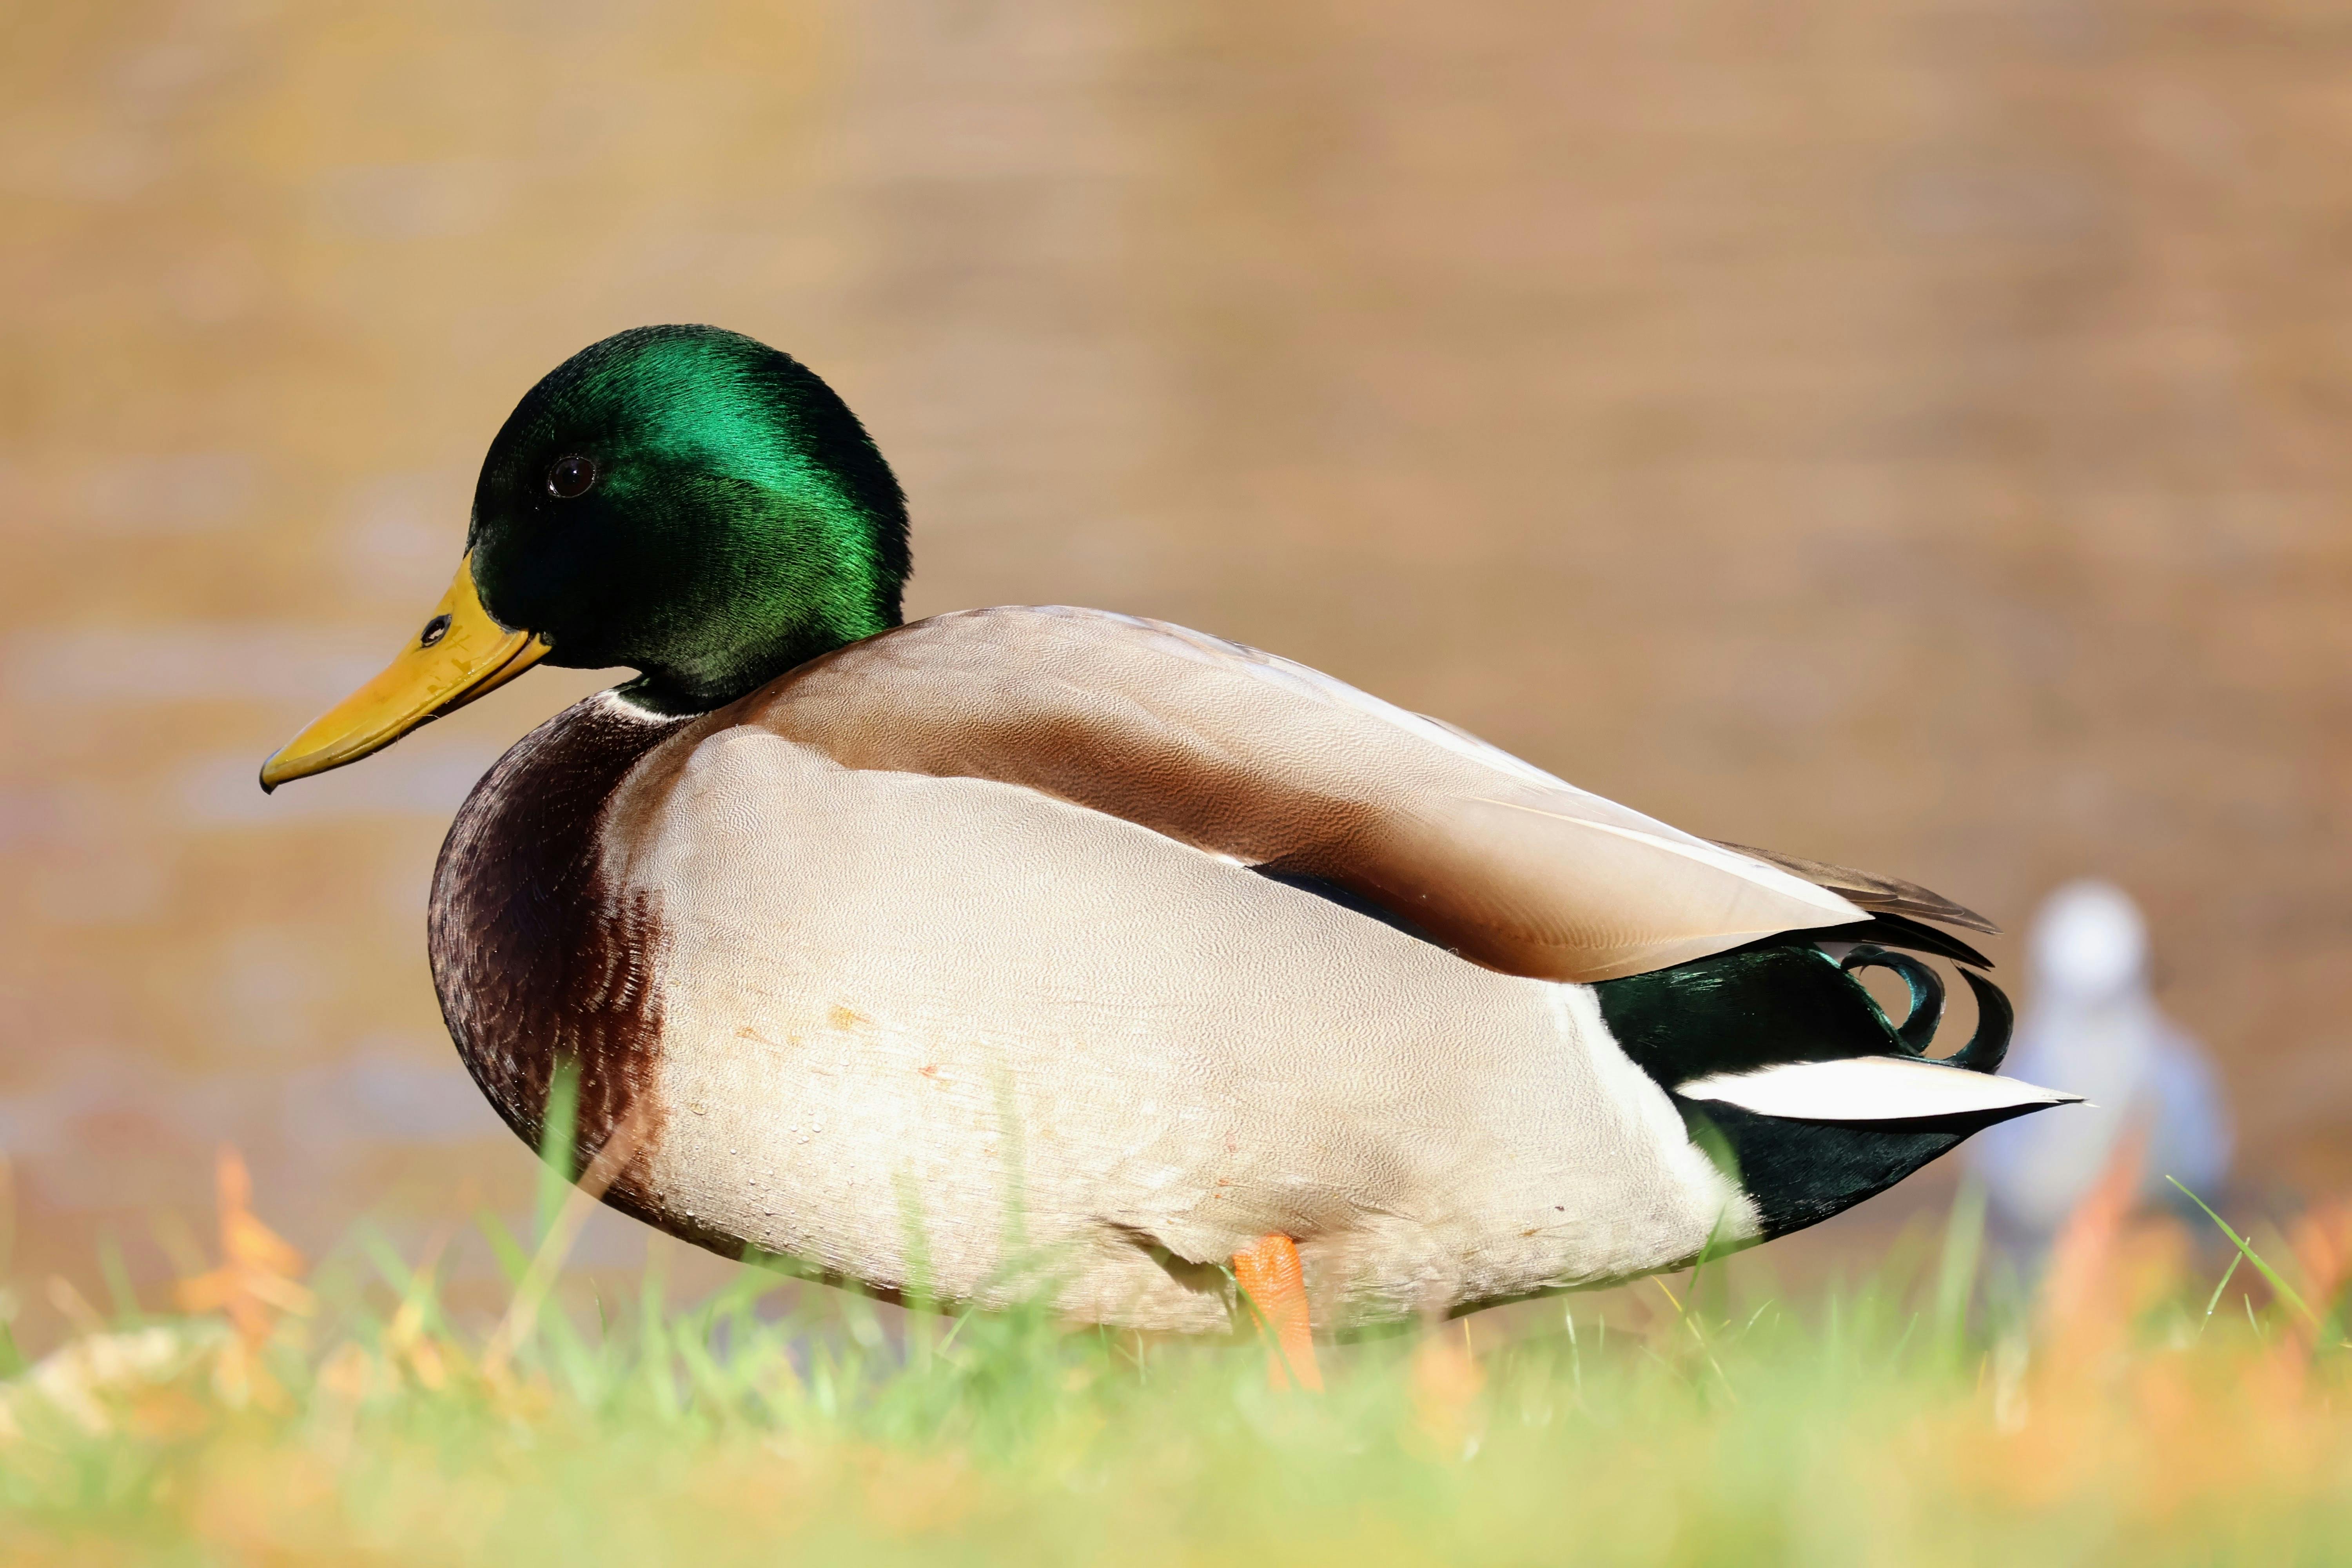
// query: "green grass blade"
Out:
[117,1274]
[2223,1284]
[2284,1291]
[1956,1270]
[513,1258]
[558,1147]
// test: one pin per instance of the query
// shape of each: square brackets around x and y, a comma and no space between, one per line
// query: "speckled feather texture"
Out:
[947,971]
[1250,756]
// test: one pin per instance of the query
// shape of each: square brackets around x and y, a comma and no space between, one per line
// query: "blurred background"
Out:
[1909,433]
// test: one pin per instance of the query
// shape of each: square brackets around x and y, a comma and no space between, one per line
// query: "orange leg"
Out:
[1269,1275]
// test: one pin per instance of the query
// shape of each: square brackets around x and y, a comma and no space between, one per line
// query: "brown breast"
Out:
[536,961]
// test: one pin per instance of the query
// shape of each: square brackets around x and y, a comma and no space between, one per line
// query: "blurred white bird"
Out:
[2091,1027]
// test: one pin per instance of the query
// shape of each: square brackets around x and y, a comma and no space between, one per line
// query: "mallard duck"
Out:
[1026,949]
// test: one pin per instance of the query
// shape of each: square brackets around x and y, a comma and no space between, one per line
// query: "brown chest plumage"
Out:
[538,962]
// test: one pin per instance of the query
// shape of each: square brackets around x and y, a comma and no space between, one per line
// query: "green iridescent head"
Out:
[692,504]
[680,500]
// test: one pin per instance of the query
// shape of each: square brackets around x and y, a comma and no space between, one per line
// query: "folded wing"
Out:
[1869,890]
[1270,764]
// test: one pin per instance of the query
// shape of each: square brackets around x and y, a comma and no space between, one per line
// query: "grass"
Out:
[2129,1412]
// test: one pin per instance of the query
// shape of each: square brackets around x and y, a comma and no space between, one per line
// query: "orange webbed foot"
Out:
[1269,1274]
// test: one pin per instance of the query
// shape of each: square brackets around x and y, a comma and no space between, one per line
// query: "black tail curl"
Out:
[1995,1019]
[1788,999]
[1785,999]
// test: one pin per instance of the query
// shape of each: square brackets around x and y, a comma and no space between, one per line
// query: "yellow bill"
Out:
[459,655]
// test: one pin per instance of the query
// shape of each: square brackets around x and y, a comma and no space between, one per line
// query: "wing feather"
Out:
[1869,890]
[1270,764]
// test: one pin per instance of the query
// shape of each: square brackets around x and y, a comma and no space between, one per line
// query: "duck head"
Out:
[680,501]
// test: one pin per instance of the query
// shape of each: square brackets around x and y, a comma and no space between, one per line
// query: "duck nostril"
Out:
[434,630]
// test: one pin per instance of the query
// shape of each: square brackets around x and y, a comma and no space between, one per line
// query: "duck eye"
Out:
[434,630]
[571,476]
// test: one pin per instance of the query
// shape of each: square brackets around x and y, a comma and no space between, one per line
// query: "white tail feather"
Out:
[1870,1089]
